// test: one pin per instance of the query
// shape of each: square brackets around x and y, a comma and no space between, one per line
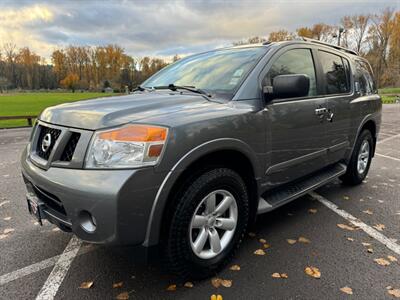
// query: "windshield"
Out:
[217,72]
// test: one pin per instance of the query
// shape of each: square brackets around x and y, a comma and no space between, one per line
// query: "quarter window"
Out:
[296,61]
[365,79]
[336,80]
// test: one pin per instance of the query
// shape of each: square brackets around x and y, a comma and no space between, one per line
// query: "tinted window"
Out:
[364,78]
[296,61]
[336,79]
[218,71]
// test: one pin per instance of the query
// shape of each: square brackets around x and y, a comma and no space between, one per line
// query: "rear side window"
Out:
[296,61]
[336,73]
[364,78]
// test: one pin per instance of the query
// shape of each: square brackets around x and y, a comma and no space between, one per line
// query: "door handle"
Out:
[321,111]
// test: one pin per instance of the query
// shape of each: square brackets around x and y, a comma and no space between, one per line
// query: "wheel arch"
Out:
[230,153]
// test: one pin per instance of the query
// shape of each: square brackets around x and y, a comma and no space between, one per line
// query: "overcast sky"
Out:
[163,28]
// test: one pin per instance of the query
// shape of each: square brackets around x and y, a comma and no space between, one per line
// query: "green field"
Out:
[389,95]
[20,104]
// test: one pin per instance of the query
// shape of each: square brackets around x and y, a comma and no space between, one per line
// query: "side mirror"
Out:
[290,86]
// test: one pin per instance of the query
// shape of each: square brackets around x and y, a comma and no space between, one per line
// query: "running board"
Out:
[282,195]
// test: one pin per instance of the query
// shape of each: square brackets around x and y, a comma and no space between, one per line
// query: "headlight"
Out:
[127,147]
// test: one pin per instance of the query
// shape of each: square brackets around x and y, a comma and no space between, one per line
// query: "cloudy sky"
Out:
[163,28]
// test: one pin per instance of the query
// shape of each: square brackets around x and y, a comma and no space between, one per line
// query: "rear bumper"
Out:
[119,200]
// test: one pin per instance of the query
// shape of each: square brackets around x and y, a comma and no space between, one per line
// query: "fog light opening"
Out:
[87,221]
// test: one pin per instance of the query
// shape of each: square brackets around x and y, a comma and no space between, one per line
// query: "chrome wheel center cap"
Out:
[211,221]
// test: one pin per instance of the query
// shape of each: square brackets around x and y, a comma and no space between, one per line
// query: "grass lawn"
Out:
[389,91]
[389,95]
[20,104]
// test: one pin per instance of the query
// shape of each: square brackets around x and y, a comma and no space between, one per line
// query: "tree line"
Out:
[375,37]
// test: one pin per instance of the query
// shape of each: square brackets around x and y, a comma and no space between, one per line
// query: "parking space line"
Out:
[356,222]
[388,139]
[387,156]
[53,282]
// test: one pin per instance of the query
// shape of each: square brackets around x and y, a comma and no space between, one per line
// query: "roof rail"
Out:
[330,45]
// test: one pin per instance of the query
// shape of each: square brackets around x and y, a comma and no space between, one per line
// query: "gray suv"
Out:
[189,159]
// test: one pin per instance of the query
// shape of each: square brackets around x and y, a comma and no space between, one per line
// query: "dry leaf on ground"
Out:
[379,227]
[123,296]
[313,272]
[262,241]
[4,202]
[7,218]
[366,244]
[8,230]
[312,210]
[344,226]
[392,258]
[216,297]
[117,285]
[266,246]
[350,239]
[3,236]
[291,241]
[346,197]
[394,292]
[226,283]
[280,275]
[347,290]
[368,212]
[259,252]
[86,285]
[304,240]
[370,250]
[382,261]
[188,284]
[235,268]
[217,282]
[171,287]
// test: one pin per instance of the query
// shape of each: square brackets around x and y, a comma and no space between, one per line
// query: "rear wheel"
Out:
[207,225]
[360,161]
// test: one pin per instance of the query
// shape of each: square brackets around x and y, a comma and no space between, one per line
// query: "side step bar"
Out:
[282,195]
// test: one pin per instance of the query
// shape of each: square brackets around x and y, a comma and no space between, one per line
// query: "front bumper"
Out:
[120,200]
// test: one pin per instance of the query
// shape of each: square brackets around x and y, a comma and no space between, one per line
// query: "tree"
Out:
[251,40]
[70,82]
[305,32]
[280,35]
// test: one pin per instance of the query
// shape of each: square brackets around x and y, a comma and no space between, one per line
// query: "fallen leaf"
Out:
[284,275]
[266,246]
[394,292]
[313,272]
[392,258]
[235,268]
[366,244]
[346,198]
[3,236]
[382,261]
[370,250]
[291,242]
[226,283]
[171,288]
[361,200]
[216,297]
[368,212]
[252,234]
[86,285]
[259,252]
[118,285]
[304,240]
[279,275]
[123,296]
[188,285]
[344,226]
[350,239]
[312,210]
[381,201]
[7,218]
[379,227]
[347,290]
[8,230]
[4,203]
[262,241]
[216,282]
[55,229]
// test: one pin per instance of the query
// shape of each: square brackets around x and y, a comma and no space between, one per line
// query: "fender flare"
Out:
[154,223]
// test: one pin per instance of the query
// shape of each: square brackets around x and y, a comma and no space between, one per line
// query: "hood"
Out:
[112,111]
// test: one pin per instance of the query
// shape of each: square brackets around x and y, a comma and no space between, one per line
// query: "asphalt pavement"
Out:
[34,261]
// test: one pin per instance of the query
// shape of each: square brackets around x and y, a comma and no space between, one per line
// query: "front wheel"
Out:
[360,161]
[208,224]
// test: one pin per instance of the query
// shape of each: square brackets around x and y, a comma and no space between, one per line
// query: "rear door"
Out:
[296,132]
[337,83]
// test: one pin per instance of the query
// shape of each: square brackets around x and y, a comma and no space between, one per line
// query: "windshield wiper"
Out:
[142,89]
[192,89]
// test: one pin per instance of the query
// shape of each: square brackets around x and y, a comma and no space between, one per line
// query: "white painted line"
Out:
[386,156]
[36,267]
[356,222]
[388,139]
[56,277]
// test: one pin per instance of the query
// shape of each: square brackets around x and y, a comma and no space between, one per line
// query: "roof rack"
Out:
[330,45]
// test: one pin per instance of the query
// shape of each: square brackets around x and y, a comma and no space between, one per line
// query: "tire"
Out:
[355,175]
[179,247]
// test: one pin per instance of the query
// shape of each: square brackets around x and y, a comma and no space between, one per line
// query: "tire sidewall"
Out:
[365,135]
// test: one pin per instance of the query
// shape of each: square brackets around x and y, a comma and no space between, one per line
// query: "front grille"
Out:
[70,147]
[50,200]
[54,134]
